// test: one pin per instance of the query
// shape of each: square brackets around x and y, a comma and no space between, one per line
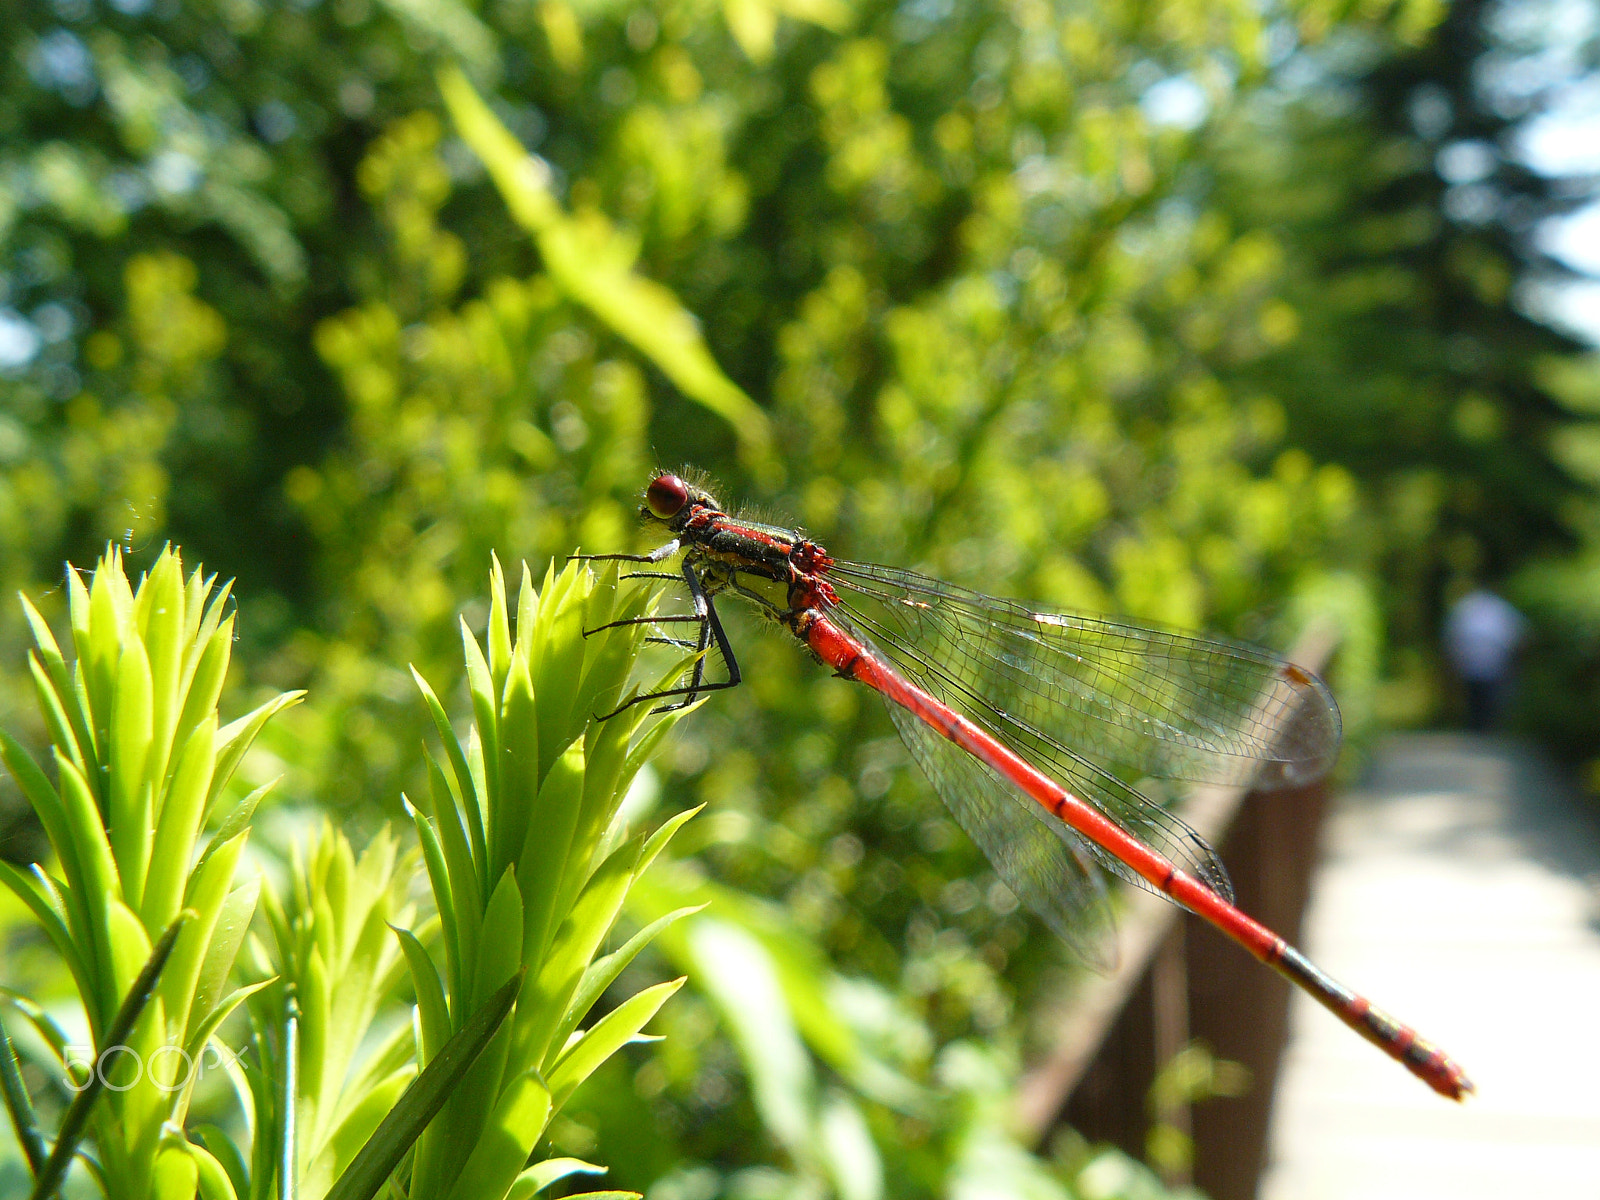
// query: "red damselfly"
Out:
[1016,716]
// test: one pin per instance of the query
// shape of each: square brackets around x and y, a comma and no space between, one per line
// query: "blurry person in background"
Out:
[1481,637]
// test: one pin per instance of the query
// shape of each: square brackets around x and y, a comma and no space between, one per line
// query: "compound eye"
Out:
[666,496]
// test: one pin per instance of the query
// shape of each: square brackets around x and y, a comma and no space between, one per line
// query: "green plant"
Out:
[142,766]
[148,915]
[335,965]
[530,867]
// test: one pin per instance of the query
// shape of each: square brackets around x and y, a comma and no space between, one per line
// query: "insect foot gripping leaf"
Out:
[146,919]
[529,868]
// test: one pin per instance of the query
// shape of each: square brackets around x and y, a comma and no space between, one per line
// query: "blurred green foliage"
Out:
[1157,309]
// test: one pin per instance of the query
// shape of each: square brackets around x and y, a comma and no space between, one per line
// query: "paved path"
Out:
[1461,890]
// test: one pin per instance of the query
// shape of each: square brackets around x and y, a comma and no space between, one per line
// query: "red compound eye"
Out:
[666,496]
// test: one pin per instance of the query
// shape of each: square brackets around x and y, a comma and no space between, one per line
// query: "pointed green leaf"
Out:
[76,1119]
[431,1006]
[227,933]
[129,948]
[557,665]
[486,717]
[527,616]
[609,657]
[43,905]
[487,698]
[204,686]
[604,747]
[499,632]
[223,1150]
[608,1035]
[536,608]
[98,871]
[548,856]
[658,840]
[128,818]
[202,1033]
[601,595]
[603,972]
[62,732]
[60,682]
[519,1117]
[500,940]
[443,896]
[426,1095]
[102,627]
[79,605]
[43,1023]
[570,951]
[481,784]
[541,1175]
[19,1105]
[236,737]
[195,590]
[465,890]
[460,778]
[517,776]
[214,1178]
[236,822]
[428,933]
[47,805]
[50,887]
[175,1175]
[163,626]
[204,629]
[177,826]
[209,888]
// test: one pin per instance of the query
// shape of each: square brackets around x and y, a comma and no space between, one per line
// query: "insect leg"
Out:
[659,554]
[705,612]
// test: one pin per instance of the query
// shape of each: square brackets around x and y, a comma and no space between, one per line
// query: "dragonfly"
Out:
[1018,716]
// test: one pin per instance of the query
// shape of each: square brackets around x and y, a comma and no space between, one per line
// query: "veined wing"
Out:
[1159,702]
[1014,814]
[1049,867]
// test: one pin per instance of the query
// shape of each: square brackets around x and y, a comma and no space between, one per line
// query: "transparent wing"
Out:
[1049,867]
[1155,701]
[1070,693]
